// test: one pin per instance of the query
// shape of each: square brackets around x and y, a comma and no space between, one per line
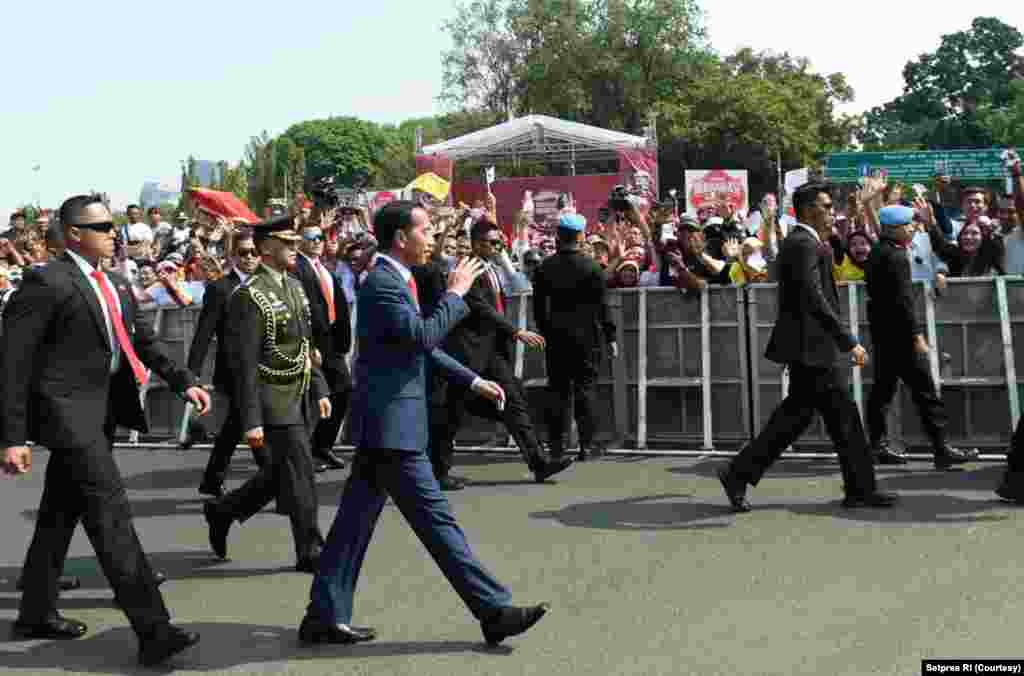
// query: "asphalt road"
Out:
[646,571]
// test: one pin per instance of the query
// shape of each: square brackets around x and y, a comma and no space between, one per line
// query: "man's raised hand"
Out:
[462,277]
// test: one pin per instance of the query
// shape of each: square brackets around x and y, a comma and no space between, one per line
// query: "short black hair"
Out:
[568,237]
[73,207]
[55,234]
[130,207]
[391,218]
[971,189]
[150,210]
[243,233]
[806,195]
[480,229]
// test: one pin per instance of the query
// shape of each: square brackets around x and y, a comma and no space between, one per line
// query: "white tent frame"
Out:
[539,137]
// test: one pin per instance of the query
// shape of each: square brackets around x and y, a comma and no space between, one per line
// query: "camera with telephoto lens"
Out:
[621,199]
[329,193]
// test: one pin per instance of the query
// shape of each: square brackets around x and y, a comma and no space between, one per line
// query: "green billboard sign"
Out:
[917,167]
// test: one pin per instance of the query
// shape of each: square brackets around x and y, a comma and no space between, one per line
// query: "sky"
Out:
[107,94]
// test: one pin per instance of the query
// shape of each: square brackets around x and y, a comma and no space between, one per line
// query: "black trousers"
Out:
[446,421]
[327,430]
[891,366]
[813,390]
[84,484]
[288,478]
[224,448]
[572,377]
[1015,458]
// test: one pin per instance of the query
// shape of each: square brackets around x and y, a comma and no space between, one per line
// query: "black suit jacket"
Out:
[333,340]
[485,333]
[55,382]
[210,324]
[894,320]
[808,330]
[570,301]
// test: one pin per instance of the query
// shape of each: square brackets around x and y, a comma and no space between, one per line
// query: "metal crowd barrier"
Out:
[692,372]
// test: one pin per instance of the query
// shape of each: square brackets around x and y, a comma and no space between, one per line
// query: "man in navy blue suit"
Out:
[389,430]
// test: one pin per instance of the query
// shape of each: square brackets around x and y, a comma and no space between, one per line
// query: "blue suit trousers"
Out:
[409,479]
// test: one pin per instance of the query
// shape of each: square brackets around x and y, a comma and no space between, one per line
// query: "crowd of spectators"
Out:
[961,231]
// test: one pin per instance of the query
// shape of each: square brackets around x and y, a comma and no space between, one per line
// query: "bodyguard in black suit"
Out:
[211,323]
[900,347]
[332,337]
[810,340]
[569,304]
[71,361]
[483,343]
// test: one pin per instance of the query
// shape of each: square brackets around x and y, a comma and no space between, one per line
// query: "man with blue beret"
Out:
[569,304]
[900,346]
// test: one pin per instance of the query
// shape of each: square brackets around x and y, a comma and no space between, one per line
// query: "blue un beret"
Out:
[573,222]
[895,215]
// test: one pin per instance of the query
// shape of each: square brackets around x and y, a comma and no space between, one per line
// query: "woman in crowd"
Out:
[977,252]
[850,256]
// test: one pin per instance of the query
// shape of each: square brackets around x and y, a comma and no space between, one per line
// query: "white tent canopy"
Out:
[538,137]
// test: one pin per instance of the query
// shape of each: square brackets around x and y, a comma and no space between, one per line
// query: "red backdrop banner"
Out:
[589,192]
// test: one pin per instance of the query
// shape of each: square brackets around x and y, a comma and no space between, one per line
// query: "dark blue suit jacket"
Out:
[389,399]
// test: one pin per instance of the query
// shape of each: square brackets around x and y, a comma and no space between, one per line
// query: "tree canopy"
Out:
[945,90]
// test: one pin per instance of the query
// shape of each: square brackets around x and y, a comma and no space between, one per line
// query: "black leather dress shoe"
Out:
[550,468]
[590,451]
[331,459]
[948,456]
[64,583]
[319,467]
[313,630]
[1010,492]
[512,621]
[55,629]
[219,527]
[159,578]
[735,490]
[451,483]
[213,490]
[885,455]
[876,499]
[165,642]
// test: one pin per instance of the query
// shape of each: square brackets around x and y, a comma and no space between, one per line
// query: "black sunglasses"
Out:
[242,253]
[98,227]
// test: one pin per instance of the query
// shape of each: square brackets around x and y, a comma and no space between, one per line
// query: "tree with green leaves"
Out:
[946,90]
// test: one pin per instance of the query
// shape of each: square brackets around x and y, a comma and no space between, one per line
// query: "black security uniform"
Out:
[571,311]
[894,324]
[893,327]
[483,342]
[210,325]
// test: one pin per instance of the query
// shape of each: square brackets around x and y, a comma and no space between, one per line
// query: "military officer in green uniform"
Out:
[280,391]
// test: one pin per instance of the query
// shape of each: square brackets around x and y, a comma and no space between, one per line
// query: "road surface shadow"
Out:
[222,646]
[180,565]
[669,511]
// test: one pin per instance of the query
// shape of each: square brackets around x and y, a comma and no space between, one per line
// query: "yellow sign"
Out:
[432,184]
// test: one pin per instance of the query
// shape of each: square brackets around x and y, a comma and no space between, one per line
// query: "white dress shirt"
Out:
[87,269]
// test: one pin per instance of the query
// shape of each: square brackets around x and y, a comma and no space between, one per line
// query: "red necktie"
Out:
[499,301]
[413,291]
[141,375]
[328,296]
